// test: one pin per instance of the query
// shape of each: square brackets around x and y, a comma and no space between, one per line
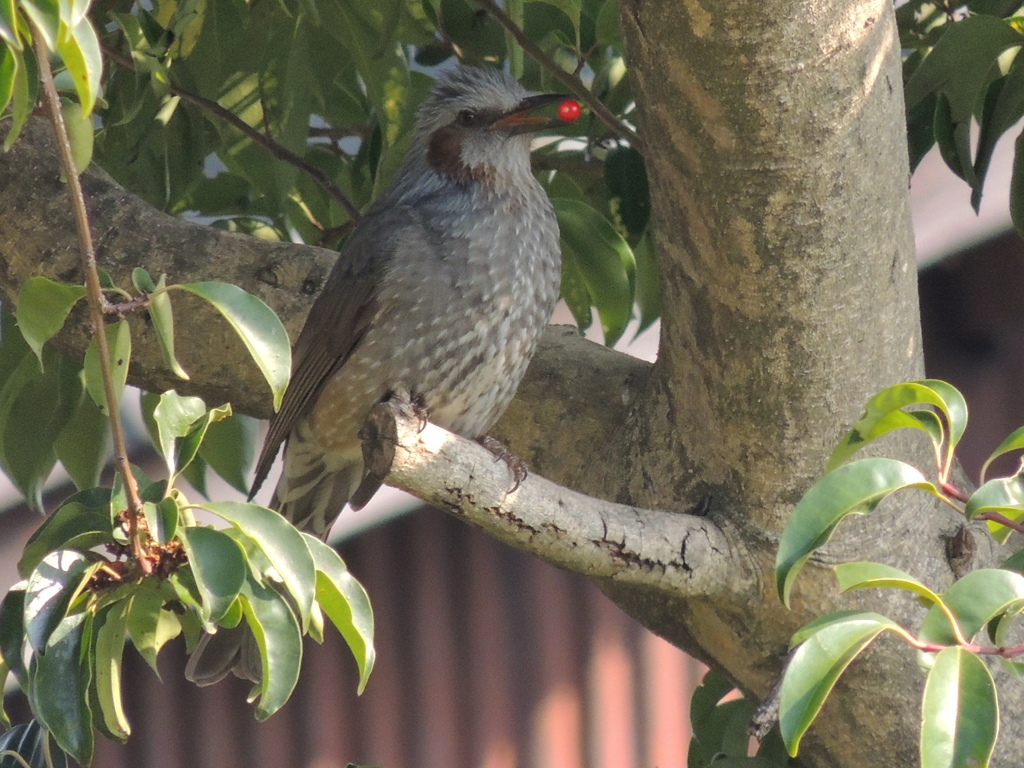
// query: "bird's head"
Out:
[475,125]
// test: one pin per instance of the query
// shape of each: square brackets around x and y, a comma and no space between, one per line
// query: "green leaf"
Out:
[277,636]
[648,282]
[282,544]
[1013,442]
[162,518]
[162,315]
[853,489]
[954,140]
[8,69]
[218,567]
[1015,562]
[43,306]
[81,134]
[195,475]
[959,713]
[81,522]
[229,448]
[974,600]
[109,650]
[626,178]
[45,15]
[12,633]
[188,446]
[1004,106]
[884,413]
[815,667]
[26,91]
[961,63]
[175,416]
[80,49]
[1004,495]
[84,444]
[573,290]
[259,328]
[604,260]
[346,604]
[607,30]
[867,575]
[32,743]
[921,130]
[119,346]
[149,624]
[58,692]
[8,29]
[35,408]
[719,727]
[1017,185]
[51,588]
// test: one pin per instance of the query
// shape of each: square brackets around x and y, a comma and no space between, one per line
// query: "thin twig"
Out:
[265,141]
[96,300]
[126,307]
[574,84]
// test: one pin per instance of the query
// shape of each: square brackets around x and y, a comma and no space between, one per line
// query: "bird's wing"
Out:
[335,324]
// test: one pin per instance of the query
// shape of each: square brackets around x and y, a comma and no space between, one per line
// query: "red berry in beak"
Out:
[569,110]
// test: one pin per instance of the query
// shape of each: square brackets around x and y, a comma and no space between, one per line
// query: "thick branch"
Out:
[680,553]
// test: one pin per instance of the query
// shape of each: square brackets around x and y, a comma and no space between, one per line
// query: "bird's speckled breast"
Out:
[461,311]
[483,309]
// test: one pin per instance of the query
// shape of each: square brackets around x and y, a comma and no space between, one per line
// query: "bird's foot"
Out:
[410,404]
[515,464]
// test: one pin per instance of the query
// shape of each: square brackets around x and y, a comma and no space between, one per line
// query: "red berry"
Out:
[569,110]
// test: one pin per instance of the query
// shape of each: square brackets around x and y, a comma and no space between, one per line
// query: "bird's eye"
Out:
[467,117]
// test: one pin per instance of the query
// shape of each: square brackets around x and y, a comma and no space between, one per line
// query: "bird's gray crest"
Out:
[463,87]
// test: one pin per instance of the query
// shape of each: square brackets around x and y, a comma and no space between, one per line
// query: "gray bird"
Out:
[441,291]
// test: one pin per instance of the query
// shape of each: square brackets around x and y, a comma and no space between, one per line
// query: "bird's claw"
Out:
[516,465]
[410,405]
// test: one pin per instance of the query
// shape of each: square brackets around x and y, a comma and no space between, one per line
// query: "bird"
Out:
[441,293]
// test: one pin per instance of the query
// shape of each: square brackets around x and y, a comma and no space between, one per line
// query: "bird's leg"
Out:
[515,464]
[409,402]
[379,436]
[420,411]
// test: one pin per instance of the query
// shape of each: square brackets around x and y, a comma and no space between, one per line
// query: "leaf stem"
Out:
[1006,652]
[951,490]
[998,517]
[96,300]
[574,84]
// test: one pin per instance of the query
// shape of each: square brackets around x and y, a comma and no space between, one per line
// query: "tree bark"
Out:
[775,145]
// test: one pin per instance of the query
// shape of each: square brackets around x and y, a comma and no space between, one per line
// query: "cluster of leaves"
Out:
[960,708]
[86,591]
[285,119]
[720,734]
[962,67]
[54,409]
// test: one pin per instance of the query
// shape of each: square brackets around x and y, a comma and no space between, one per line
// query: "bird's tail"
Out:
[314,486]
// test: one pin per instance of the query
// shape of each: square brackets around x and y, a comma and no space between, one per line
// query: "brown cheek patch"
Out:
[444,155]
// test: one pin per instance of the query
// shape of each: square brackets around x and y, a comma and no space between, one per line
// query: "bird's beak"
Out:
[520,119]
